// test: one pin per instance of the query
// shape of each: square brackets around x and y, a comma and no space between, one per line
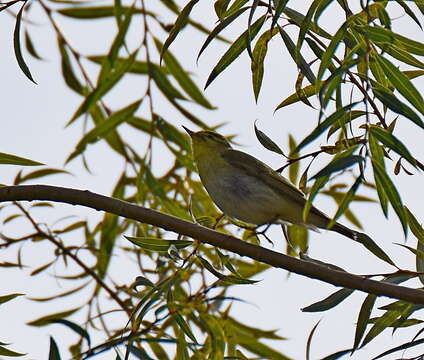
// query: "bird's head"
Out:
[207,142]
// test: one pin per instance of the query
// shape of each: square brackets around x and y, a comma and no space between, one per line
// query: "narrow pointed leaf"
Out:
[156,244]
[102,88]
[298,59]
[325,125]
[363,318]
[258,58]
[329,302]
[235,50]
[6,298]
[180,23]
[389,140]
[394,104]
[339,164]
[221,26]
[402,83]
[17,160]
[344,204]
[392,193]
[95,12]
[266,142]
[306,92]
[17,45]
[54,350]
[183,78]
[104,128]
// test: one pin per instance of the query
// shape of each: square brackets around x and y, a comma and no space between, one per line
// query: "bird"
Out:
[247,189]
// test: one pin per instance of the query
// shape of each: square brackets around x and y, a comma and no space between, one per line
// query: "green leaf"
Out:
[221,7]
[68,73]
[309,341]
[104,128]
[46,320]
[299,60]
[164,84]
[386,320]
[215,330]
[344,204]
[350,116]
[378,155]
[180,23]
[403,347]
[226,278]
[394,104]
[157,244]
[253,8]
[402,83]
[329,302]
[380,34]
[184,326]
[363,318]
[339,164]
[371,245]
[17,45]
[76,328]
[337,115]
[235,50]
[415,226]
[138,67]
[170,133]
[95,12]
[331,49]
[7,352]
[221,26]
[182,348]
[54,350]
[258,57]
[306,24]
[266,142]
[418,231]
[10,159]
[104,87]
[6,298]
[306,92]
[392,142]
[30,46]
[119,41]
[183,78]
[316,187]
[279,7]
[400,54]
[298,18]
[391,192]
[337,355]
[41,173]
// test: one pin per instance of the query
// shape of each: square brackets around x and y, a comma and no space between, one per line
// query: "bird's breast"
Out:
[240,196]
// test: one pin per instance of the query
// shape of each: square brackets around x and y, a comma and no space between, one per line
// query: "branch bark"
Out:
[205,235]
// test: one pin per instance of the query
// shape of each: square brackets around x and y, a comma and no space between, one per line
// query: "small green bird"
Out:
[244,188]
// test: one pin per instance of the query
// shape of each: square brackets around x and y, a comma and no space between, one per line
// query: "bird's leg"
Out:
[263,232]
[217,221]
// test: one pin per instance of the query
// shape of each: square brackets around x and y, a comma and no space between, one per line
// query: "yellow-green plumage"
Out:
[245,188]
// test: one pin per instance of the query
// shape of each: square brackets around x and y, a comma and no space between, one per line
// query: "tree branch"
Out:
[205,235]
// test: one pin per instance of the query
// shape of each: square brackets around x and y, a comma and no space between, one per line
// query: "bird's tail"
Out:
[344,230]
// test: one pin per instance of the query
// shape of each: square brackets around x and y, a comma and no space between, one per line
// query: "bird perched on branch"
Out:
[245,188]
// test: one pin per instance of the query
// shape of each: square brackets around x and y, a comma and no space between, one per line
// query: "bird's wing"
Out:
[255,167]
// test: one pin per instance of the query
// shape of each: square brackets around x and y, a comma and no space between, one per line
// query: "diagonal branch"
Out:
[203,234]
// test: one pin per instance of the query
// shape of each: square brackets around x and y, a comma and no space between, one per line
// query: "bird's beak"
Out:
[188,131]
